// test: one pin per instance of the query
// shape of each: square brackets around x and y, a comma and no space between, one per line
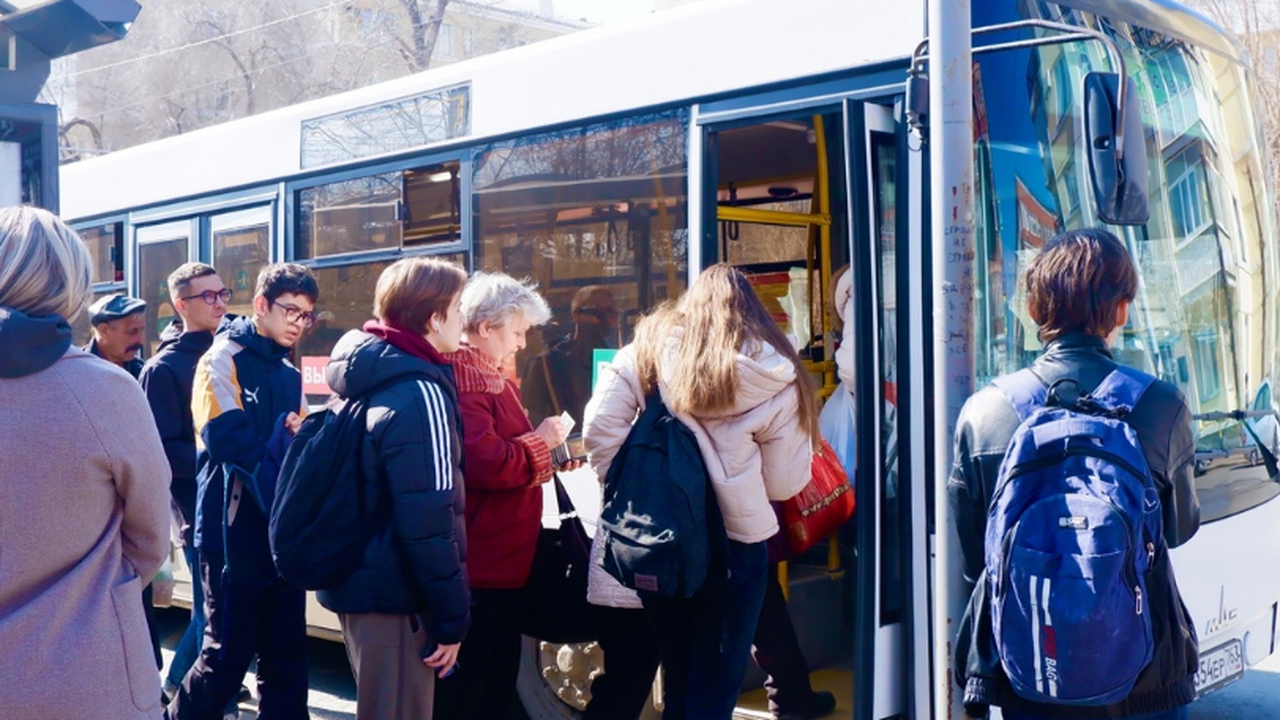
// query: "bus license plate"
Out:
[1219,666]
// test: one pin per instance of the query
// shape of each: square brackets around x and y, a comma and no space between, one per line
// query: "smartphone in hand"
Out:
[572,449]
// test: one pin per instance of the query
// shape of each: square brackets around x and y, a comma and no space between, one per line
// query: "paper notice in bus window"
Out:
[313,382]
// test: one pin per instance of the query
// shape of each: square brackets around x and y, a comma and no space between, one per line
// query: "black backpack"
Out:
[663,532]
[320,524]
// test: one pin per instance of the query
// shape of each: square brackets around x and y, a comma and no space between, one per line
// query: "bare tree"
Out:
[188,65]
[425,19]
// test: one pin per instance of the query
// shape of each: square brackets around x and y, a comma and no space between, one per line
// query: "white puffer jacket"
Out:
[756,451]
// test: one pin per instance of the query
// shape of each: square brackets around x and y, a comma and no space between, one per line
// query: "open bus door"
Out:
[798,198]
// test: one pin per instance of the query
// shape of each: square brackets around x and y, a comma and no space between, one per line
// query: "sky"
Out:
[602,10]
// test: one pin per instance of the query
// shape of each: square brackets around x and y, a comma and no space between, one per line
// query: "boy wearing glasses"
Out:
[200,298]
[246,404]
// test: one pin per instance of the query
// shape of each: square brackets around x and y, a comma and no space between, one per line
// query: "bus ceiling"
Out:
[1117,170]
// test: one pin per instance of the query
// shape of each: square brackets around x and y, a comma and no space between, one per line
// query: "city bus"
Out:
[793,140]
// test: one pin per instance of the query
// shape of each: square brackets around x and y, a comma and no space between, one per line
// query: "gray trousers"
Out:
[386,657]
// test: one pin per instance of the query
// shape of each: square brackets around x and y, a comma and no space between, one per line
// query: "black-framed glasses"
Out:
[211,296]
[295,315]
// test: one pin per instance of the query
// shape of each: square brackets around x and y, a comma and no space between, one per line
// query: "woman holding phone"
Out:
[507,461]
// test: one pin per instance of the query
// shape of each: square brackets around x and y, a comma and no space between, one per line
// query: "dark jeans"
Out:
[1178,713]
[777,651]
[705,640]
[184,655]
[243,620]
[630,662]
[484,685]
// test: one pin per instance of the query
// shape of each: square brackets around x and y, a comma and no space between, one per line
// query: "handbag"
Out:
[825,504]
[556,607]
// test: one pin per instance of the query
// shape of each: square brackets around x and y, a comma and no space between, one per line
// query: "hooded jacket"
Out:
[244,387]
[755,451]
[84,524]
[166,380]
[507,463]
[416,562]
[1162,422]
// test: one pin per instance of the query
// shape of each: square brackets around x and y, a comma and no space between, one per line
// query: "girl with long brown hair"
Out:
[721,365]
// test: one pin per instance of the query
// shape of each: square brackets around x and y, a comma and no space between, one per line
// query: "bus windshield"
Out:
[1205,316]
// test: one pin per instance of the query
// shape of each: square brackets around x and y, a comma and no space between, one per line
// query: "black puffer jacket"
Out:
[1162,421]
[166,380]
[416,562]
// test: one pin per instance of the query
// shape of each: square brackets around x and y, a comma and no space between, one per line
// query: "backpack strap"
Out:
[1025,390]
[1122,388]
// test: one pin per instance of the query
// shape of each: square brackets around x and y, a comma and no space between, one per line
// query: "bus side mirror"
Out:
[1119,181]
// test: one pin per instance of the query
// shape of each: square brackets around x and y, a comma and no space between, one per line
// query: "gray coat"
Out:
[84,524]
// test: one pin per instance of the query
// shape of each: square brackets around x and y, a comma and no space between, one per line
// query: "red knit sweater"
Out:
[506,465]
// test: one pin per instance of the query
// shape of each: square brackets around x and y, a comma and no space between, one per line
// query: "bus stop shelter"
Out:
[32,34]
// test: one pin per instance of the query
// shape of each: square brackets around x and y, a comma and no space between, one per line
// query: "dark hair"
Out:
[283,278]
[1077,282]
[412,290]
[181,278]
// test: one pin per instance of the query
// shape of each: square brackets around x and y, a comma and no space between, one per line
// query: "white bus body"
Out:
[776,136]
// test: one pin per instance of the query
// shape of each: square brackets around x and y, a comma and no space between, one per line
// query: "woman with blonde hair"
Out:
[84,495]
[725,369]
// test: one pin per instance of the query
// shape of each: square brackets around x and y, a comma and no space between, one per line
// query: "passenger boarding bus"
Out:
[792,139]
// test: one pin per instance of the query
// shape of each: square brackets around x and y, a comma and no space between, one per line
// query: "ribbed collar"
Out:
[475,372]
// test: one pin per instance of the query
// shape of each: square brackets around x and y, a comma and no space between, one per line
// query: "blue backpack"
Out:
[662,529]
[1074,526]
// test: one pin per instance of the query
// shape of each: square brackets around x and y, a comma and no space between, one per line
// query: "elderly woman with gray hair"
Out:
[507,461]
[84,495]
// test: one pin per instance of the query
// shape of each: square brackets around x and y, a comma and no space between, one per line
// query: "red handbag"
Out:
[822,506]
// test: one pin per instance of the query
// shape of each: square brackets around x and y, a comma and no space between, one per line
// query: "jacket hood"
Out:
[763,372]
[243,330]
[175,338]
[361,362]
[30,344]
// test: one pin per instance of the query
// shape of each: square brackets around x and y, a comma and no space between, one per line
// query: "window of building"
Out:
[1188,201]
[1204,348]
[444,41]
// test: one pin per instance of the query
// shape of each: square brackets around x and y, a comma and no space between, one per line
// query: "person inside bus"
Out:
[84,521]
[507,461]
[1079,290]
[729,373]
[118,321]
[559,379]
[246,403]
[200,299]
[406,609]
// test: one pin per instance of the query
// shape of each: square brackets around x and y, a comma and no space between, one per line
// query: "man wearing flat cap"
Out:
[117,322]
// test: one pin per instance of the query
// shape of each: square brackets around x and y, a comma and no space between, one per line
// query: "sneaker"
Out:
[821,704]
